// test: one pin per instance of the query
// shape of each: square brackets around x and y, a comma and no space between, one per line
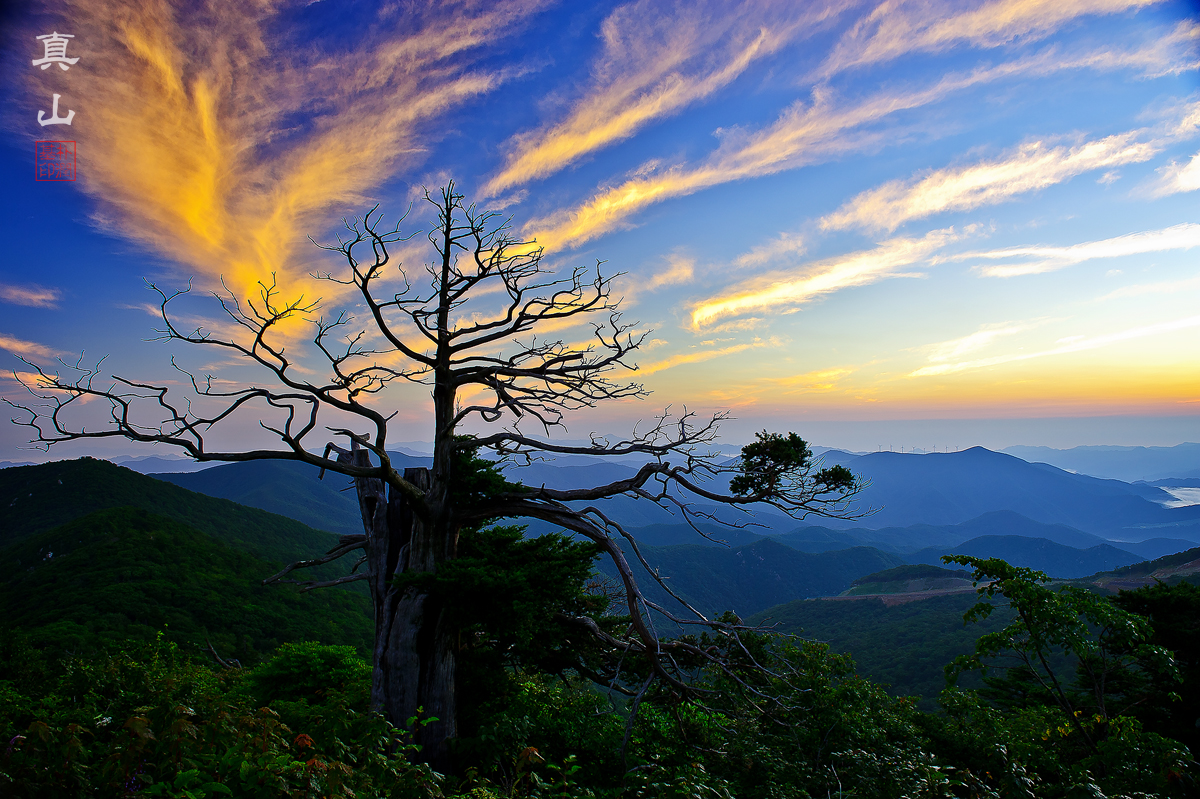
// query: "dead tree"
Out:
[458,331]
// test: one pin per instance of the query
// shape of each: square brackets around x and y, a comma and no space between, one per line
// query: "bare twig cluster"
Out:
[474,331]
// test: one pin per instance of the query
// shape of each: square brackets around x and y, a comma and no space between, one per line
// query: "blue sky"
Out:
[940,220]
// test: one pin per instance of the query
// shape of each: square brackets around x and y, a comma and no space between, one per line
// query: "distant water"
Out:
[1183,496]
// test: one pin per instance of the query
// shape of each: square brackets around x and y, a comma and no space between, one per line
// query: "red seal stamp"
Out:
[54,160]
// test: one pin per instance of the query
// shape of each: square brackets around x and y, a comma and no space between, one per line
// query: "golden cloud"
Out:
[656,60]
[783,290]
[804,134]
[696,356]
[27,349]
[30,295]
[680,269]
[1033,166]
[221,145]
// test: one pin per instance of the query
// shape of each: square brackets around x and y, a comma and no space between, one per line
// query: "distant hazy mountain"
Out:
[936,490]
[951,488]
[284,487]
[1169,568]
[919,536]
[1156,547]
[1177,482]
[292,489]
[153,463]
[1056,560]
[1120,463]
[289,488]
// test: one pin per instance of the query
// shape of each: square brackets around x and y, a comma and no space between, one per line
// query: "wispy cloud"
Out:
[695,356]
[956,348]
[658,58]
[27,349]
[1047,259]
[898,28]
[221,148]
[804,134]
[820,380]
[1031,167]
[680,269]
[1077,345]
[1161,287]
[1165,54]
[31,295]
[1176,178]
[785,244]
[782,290]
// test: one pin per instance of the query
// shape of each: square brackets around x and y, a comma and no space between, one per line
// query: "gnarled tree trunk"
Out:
[414,657]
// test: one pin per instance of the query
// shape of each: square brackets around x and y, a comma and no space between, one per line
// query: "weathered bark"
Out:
[414,658]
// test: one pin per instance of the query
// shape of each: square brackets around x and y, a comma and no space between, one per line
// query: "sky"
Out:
[880,225]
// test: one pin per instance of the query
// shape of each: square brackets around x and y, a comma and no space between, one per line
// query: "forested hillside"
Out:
[105,682]
[124,574]
[751,577]
[38,498]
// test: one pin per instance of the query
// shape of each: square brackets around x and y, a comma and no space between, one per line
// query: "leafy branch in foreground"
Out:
[1108,647]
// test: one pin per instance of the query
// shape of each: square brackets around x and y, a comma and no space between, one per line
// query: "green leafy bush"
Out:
[154,722]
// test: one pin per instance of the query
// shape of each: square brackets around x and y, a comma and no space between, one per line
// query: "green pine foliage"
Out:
[774,460]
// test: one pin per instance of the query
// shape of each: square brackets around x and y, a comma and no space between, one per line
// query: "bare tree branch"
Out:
[470,324]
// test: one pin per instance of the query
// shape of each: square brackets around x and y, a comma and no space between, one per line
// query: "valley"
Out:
[873,587]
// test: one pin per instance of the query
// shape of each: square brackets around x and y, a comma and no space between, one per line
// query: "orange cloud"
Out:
[1033,166]
[823,277]
[828,127]
[656,60]
[696,356]
[221,146]
[27,349]
[31,295]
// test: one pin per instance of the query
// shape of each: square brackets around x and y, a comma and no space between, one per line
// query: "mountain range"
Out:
[91,548]
[923,506]
[951,488]
[1120,463]
[903,490]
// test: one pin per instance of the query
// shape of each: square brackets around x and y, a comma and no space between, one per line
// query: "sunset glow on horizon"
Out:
[829,211]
